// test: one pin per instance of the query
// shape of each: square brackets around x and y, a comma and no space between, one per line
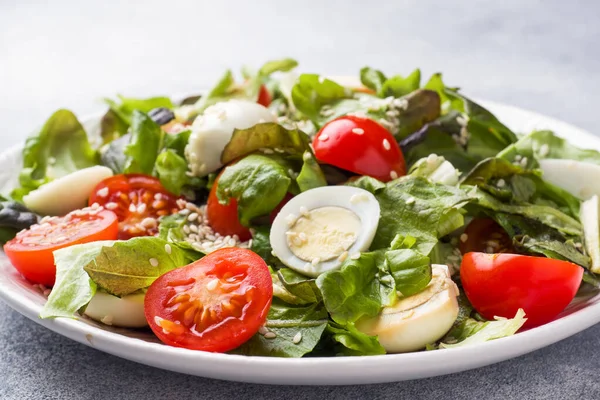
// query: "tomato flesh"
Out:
[138,200]
[214,304]
[360,145]
[486,236]
[30,252]
[500,284]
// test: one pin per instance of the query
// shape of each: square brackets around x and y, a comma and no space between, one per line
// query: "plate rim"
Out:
[312,369]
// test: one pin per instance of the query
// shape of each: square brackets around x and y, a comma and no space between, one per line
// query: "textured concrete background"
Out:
[538,55]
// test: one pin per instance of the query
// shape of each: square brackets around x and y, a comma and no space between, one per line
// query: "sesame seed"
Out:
[186,229]
[107,320]
[149,223]
[501,182]
[297,338]
[102,192]
[355,256]
[315,261]
[393,175]
[270,335]
[194,228]
[263,330]
[192,217]
[141,208]
[168,248]
[324,137]
[132,208]
[358,131]
[111,205]
[185,211]
[51,160]
[489,249]
[343,256]
[410,200]
[268,151]
[524,162]
[158,196]
[518,157]
[278,150]
[191,206]
[291,220]
[464,237]
[153,262]
[303,211]
[544,150]
[386,144]
[212,285]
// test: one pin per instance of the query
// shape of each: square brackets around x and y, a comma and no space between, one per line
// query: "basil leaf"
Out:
[296,329]
[249,180]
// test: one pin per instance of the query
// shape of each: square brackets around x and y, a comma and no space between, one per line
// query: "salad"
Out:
[289,215]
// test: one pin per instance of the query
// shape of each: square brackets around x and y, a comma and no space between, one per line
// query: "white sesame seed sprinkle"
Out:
[315,261]
[270,335]
[393,175]
[355,256]
[111,205]
[141,208]
[358,131]
[102,192]
[212,285]
[464,237]
[168,248]
[297,338]
[386,144]
[324,137]
[153,262]
[132,208]
[263,330]
[544,150]
[410,200]
[501,182]
[192,217]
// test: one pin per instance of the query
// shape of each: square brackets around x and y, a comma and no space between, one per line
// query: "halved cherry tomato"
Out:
[486,236]
[500,284]
[264,97]
[31,250]
[214,304]
[138,201]
[360,145]
[224,219]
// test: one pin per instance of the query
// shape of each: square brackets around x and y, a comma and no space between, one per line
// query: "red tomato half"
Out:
[264,97]
[214,304]
[31,250]
[360,145]
[500,284]
[138,201]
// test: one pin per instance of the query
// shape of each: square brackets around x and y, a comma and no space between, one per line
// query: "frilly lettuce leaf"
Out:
[61,147]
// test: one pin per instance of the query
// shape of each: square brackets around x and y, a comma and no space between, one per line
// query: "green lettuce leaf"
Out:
[311,176]
[410,269]
[372,79]
[144,145]
[311,92]
[413,206]
[473,331]
[265,136]
[396,86]
[297,331]
[351,342]
[60,147]
[299,285]
[171,169]
[359,288]
[545,144]
[126,266]
[73,288]
[249,180]
[124,107]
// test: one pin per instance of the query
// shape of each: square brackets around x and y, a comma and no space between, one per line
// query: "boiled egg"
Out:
[66,193]
[212,130]
[318,229]
[126,311]
[417,320]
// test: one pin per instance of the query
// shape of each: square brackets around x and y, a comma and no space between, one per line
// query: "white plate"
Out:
[143,347]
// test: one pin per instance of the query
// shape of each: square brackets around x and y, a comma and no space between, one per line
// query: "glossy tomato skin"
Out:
[500,284]
[264,97]
[30,252]
[138,200]
[223,218]
[360,145]
[214,304]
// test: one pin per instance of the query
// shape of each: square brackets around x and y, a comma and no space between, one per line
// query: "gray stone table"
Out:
[541,55]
